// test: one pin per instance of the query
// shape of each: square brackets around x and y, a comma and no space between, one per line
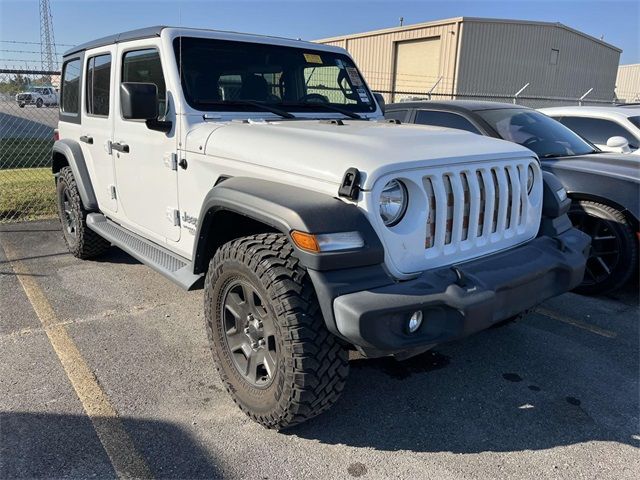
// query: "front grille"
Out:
[471,205]
[24,96]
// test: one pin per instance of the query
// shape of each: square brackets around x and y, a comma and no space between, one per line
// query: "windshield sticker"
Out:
[362,93]
[313,58]
[354,76]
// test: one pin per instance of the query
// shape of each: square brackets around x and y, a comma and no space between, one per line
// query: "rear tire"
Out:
[614,248]
[256,288]
[81,241]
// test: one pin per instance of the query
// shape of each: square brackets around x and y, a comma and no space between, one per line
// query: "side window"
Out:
[98,85]
[445,119]
[71,87]
[396,115]
[143,66]
[598,130]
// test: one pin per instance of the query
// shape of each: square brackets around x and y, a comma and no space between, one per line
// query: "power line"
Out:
[36,43]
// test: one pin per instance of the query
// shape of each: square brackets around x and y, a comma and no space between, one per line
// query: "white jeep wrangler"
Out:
[262,169]
[38,96]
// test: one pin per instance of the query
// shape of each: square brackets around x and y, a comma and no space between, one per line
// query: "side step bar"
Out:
[172,266]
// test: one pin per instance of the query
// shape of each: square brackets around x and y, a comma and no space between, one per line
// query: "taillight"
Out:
[56,135]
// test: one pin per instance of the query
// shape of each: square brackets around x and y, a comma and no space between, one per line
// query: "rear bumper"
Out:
[494,288]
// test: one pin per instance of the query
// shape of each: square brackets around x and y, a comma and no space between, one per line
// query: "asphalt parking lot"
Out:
[105,367]
[27,122]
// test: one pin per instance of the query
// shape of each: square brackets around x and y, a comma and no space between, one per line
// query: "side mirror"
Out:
[621,144]
[139,101]
[380,99]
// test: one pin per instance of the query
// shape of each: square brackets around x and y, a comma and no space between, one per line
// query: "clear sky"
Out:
[78,21]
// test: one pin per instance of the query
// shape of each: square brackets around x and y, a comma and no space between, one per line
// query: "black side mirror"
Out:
[380,99]
[139,101]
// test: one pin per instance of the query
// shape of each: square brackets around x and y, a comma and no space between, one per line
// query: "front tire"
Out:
[21,105]
[39,103]
[270,345]
[614,249]
[81,241]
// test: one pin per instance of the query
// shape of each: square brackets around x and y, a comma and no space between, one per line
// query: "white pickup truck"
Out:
[262,170]
[38,96]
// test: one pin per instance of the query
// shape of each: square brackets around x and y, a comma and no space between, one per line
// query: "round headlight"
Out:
[393,202]
[530,178]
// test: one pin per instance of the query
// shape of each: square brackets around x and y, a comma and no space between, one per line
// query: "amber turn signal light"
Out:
[305,241]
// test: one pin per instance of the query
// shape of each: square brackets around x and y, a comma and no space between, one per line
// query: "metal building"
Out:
[485,57]
[628,83]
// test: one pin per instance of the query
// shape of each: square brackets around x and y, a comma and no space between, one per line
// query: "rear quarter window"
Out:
[445,119]
[70,103]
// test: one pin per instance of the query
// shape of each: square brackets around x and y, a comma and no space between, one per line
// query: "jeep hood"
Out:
[324,151]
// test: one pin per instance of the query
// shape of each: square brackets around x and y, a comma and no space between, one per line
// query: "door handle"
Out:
[86,139]
[120,147]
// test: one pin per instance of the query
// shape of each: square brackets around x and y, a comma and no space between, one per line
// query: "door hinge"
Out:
[112,190]
[173,216]
[171,161]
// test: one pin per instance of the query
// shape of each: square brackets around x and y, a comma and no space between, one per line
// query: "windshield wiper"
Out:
[250,103]
[327,106]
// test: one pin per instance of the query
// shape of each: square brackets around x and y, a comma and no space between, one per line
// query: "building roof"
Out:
[461,20]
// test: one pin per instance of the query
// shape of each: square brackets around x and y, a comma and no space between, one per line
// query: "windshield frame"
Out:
[560,128]
[235,105]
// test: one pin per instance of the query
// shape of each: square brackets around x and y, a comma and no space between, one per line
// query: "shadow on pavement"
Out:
[499,391]
[34,445]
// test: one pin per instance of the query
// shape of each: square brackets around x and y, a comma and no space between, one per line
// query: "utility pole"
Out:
[48,54]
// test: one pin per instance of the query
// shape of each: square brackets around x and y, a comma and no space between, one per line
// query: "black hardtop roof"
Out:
[453,105]
[137,34]
[149,32]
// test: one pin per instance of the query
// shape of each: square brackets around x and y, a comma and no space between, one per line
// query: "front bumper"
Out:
[493,289]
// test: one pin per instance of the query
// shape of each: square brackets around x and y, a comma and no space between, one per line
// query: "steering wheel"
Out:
[313,98]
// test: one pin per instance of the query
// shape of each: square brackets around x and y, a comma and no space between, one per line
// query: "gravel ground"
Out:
[552,396]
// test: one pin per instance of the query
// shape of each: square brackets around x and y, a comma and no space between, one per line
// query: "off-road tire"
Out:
[627,245]
[39,103]
[312,364]
[84,243]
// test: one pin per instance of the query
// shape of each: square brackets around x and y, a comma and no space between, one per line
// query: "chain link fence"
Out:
[29,114]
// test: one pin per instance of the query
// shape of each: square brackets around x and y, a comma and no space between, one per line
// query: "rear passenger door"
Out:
[97,124]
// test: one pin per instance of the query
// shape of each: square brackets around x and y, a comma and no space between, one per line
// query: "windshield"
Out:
[531,129]
[222,75]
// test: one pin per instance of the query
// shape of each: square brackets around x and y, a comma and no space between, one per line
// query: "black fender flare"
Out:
[286,208]
[72,151]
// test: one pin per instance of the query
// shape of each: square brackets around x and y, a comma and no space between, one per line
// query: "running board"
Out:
[172,266]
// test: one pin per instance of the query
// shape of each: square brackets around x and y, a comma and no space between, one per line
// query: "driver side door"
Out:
[146,182]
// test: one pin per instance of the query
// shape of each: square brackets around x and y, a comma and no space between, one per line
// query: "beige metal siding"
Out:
[374,52]
[628,83]
[501,57]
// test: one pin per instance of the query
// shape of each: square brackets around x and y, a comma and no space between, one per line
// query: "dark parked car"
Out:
[604,187]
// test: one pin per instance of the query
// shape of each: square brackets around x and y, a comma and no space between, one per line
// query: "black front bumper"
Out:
[492,289]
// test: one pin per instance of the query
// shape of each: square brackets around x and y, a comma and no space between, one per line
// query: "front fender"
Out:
[287,208]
